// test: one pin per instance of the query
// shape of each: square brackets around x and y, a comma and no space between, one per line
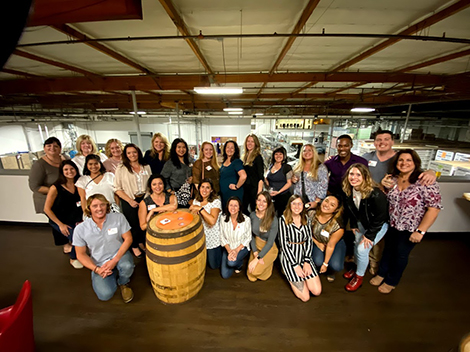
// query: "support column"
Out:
[136,119]
[402,137]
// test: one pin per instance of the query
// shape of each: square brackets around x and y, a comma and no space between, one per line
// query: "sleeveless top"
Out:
[151,204]
[318,230]
[67,206]
[278,179]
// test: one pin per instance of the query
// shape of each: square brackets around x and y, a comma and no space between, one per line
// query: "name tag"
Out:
[112,231]
[151,206]
[145,172]
[208,168]
[79,204]
[372,163]
[324,233]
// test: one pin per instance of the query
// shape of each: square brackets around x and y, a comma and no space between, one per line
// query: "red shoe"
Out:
[354,284]
[349,274]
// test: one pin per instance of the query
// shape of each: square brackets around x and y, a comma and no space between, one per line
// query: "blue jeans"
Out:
[56,227]
[228,267]
[336,262]
[214,257]
[105,288]
[360,252]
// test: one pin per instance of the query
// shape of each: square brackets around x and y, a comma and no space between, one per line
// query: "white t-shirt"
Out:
[212,233]
[79,160]
[104,187]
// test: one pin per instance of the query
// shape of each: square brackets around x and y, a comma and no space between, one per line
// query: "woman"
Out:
[63,206]
[130,186]
[44,173]
[296,250]
[232,173]
[208,205]
[413,209]
[113,150]
[254,167]
[310,177]
[96,180]
[177,172]
[235,237]
[206,167]
[158,155]
[159,201]
[264,226]
[278,180]
[366,207]
[85,146]
[329,248]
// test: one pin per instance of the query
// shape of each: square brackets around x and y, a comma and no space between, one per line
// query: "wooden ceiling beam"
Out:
[53,63]
[435,61]
[19,73]
[66,29]
[183,29]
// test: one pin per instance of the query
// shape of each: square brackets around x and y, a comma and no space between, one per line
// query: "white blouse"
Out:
[105,186]
[212,232]
[241,234]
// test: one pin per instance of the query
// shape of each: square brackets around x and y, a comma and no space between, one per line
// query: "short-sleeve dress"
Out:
[212,232]
[296,245]
[229,175]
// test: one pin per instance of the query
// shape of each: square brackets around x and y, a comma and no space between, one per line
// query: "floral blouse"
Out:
[314,188]
[407,207]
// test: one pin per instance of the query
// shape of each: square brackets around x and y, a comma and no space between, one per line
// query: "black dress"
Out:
[254,174]
[67,209]
[276,181]
[156,165]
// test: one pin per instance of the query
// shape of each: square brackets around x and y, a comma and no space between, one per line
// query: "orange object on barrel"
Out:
[176,255]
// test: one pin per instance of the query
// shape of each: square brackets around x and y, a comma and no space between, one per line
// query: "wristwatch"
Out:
[421,232]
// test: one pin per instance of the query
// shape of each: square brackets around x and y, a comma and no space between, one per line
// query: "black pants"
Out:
[395,257]
[132,216]
[249,198]
[280,202]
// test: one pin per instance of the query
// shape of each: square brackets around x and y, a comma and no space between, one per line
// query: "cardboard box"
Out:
[9,162]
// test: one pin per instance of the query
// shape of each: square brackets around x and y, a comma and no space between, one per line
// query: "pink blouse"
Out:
[407,207]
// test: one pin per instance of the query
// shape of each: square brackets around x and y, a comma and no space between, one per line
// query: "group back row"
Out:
[381,194]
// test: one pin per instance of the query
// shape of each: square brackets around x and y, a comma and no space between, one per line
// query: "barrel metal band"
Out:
[176,247]
[175,260]
[174,234]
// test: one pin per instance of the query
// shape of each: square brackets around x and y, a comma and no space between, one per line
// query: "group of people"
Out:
[103,203]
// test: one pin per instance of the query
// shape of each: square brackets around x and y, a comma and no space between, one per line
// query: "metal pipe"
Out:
[402,137]
[178,117]
[136,119]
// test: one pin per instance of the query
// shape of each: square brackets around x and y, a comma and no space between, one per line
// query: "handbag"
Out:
[304,195]
[183,195]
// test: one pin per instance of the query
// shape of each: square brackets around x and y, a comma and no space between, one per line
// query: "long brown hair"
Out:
[337,214]
[367,185]
[269,214]
[240,217]
[416,160]
[313,171]
[248,157]
[288,212]
[212,195]
[125,160]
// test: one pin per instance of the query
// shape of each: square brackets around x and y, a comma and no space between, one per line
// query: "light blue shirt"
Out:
[105,243]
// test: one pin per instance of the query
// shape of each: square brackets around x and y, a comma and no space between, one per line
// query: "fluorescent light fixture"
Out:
[233,109]
[259,114]
[107,109]
[218,90]
[235,112]
[138,112]
[362,109]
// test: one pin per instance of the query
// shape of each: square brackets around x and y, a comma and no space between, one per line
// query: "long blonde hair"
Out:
[166,149]
[214,163]
[367,185]
[288,212]
[248,157]
[313,171]
[85,137]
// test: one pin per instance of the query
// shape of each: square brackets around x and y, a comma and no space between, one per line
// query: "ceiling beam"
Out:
[188,82]
[179,23]
[435,61]
[19,73]
[53,63]
[308,10]
[100,47]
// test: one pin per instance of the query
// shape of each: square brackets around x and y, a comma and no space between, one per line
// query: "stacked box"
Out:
[9,162]
[461,157]
[447,168]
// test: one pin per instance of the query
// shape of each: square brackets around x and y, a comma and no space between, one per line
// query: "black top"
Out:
[254,172]
[372,212]
[149,201]
[156,165]
[279,178]
[67,206]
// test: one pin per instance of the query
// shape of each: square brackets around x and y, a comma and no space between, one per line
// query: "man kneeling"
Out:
[108,238]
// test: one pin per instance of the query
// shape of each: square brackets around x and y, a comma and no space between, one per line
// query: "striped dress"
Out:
[296,249]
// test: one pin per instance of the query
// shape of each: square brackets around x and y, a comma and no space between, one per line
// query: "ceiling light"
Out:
[107,109]
[233,109]
[259,114]
[138,112]
[218,90]
[235,112]
[362,109]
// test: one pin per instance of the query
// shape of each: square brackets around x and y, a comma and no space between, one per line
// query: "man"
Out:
[339,164]
[108,238]
[379,161]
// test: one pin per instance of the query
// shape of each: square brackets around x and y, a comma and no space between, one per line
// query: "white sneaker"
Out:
[76,264]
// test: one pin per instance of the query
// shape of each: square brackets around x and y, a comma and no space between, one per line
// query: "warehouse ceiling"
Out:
[292,58]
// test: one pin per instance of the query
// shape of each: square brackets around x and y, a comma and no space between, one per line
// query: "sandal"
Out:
[386,289]
[376,280]
[137,252]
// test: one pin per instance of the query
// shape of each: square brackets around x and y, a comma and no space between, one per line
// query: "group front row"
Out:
[311,242]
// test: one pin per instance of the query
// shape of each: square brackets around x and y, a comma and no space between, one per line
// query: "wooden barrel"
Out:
[176,255]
